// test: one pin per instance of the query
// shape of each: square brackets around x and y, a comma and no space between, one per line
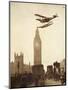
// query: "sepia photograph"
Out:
[37,34]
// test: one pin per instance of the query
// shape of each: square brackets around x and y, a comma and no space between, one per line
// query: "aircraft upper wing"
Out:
[40,16]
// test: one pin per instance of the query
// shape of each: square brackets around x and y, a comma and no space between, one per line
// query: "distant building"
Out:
[12,69]
[56,70]
[56,67]
[18,61]
[27,68]
[62,67]
[50,68]
[49,73]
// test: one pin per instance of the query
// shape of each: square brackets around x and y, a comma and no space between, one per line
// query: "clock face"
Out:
[37,44]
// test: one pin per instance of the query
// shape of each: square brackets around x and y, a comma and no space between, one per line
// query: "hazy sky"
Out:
[23,26]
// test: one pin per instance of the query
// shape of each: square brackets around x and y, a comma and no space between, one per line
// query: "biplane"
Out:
[44,19]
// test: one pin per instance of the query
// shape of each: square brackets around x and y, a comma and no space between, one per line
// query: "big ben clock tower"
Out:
[37,68]
[37,48]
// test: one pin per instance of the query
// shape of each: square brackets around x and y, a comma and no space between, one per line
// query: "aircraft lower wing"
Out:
[46,25]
